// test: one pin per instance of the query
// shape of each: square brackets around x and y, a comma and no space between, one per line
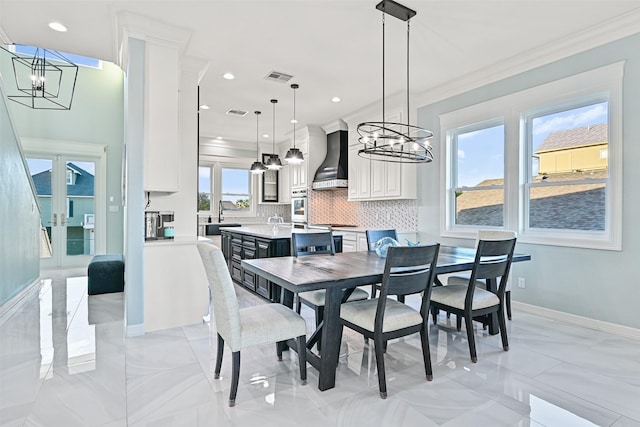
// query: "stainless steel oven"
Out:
[299,206]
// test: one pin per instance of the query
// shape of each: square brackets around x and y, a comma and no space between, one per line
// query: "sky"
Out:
[481,153]
[234,180]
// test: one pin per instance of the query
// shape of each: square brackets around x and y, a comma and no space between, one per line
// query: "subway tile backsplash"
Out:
[332,207]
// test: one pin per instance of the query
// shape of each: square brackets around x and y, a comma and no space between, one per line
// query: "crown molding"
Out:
[606,32]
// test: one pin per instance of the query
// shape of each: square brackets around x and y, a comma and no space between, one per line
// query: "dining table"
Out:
[338,275]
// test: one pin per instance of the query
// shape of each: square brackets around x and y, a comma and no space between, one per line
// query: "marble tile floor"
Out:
[64,362]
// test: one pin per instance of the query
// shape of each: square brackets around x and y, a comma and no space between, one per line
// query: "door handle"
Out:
[63,221]
[55,220]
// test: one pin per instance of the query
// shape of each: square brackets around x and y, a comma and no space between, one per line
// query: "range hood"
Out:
[332,173]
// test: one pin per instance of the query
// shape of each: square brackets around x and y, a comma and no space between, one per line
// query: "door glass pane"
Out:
[80,207]
[204,188]
[40,170]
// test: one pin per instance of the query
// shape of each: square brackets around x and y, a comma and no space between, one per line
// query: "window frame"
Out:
[515,108]
[216,188]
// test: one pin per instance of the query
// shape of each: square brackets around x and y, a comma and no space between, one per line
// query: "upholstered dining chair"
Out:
[246,327]
[464,278]
[468,301]
[408,270]
[303,244]
[372,238]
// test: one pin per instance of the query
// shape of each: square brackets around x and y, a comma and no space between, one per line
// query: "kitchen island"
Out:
[260,241]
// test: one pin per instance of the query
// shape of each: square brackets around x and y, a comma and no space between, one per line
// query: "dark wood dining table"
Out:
[340,272]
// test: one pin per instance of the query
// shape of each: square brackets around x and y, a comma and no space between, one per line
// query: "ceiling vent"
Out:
[239,113]
[279,77]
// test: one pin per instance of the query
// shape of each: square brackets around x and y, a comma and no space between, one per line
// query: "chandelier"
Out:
[391,141]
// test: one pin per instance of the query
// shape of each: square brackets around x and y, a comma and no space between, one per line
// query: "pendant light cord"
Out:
[384,118]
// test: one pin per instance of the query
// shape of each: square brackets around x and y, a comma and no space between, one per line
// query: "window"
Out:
[69,177]
[478,175]
[226,188]
[567,186]
[236,190]
[545,162]
[204,188]
[75,59]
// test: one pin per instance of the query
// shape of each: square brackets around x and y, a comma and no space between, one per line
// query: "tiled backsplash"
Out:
[332,207]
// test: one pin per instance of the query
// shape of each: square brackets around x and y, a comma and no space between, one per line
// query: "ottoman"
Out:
[106,274]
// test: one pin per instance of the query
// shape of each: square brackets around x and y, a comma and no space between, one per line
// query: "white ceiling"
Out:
[332,48]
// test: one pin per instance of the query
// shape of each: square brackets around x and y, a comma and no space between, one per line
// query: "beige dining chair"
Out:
[463,279]
[247,327]
[468,301]
[407,271]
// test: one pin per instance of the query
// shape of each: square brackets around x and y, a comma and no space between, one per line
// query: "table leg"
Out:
[330,339]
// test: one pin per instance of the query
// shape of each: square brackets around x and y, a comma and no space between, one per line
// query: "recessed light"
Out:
[294,121]
[228,76]
[336,99]
[204,107]
[56,26]
[266,135]
[218,137]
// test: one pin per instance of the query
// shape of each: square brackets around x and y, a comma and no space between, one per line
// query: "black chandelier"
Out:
[274,162]
[45,80]
[257,167]
[390,141]
[294,155]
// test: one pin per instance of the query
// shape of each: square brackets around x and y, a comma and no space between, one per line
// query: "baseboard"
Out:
[598,325]
[15,303]
[135,330]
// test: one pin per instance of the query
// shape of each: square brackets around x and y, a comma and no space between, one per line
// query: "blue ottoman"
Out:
[106,274]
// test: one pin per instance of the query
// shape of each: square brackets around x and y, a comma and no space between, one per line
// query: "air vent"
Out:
[278,77]
[239,113]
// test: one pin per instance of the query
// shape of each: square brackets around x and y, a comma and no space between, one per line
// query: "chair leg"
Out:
[502,324]
[508,303]
[470,337]
[302,358]
[279,350]
[401,298]
[374,291]
[216,372]
[382,380]
[235,378]
[426,352]
[434,315]
[458,322]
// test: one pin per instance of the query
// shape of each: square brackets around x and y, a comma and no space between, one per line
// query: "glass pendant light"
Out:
[294,155]
[257,167]
[274,162]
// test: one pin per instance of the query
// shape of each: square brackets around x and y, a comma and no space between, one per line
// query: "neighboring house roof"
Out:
[579,206]
[84,185]
[577,137]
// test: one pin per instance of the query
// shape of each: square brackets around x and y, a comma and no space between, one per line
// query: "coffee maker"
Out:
[158,225]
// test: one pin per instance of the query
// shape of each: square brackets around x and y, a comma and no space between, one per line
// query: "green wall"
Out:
[597,284]
[96,117]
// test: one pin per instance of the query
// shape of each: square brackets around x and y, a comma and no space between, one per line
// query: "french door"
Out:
[66,187]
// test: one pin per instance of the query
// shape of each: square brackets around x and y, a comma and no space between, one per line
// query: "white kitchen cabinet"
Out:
[161,133]
[349,241]
[362,242]
[312,141]
[375,179]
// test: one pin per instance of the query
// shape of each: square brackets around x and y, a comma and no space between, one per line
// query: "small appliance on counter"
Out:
[158,225]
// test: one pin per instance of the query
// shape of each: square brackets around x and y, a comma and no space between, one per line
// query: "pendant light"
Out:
[274,162]
[294,155]
[389,141]
[257,167]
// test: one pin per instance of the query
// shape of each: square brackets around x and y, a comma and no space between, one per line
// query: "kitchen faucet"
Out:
[220,215]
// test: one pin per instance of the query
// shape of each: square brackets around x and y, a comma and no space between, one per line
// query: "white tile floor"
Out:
[64,362]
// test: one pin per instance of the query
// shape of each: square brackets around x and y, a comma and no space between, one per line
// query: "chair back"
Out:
[312,243]
[226,310]
[374,235]
[408,270]
[495,235]
[492,262]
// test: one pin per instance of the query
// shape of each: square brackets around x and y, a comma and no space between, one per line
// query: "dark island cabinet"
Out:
[237,245]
